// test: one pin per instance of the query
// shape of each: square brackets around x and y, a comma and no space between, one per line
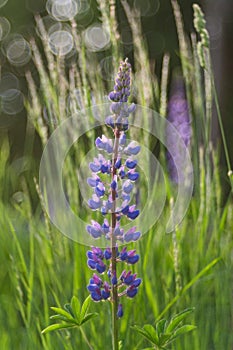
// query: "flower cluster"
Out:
[112,182]
[100,261]
[178,116]
[122,182]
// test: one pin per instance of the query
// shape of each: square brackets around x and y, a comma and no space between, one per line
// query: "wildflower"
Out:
[112,197]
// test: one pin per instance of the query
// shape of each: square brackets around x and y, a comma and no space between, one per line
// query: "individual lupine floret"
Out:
[132,175]
[94,202]
[120,312]
[104,144]
[93,181]
[127,186]
[95,229]
[132,235]
[132,149]
[100,189]
[131,163]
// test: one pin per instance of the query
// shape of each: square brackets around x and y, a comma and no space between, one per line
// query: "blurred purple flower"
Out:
[178,115]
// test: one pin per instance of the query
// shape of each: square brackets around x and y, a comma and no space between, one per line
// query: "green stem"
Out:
[114,248]
[86,339]
[222,132]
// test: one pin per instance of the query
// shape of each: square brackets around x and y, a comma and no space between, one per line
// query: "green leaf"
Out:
[56,326]
[152,332]
[147,332]
[85,307]
[76,307]
[68,308]
[88,317]
[142,332]
[63,313]
[160,327]
[184,329]
[148,349]
[61,318]
[177,319]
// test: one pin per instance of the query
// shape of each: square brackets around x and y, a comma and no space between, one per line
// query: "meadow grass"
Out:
[192,267]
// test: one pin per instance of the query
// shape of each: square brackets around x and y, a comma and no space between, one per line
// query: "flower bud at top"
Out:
[122,84]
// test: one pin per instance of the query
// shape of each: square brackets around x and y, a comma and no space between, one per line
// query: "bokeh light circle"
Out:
[64,10]
[55,27]
[75,101]
[83,6]
[17,50]
[96,38]
[106,67]
[49,4]
[43,26]
[3,3]
[8,81]
[5,28]
[61,42]
[12,101]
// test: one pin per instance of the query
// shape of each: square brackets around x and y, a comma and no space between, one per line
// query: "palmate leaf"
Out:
[73,315]
[166,332]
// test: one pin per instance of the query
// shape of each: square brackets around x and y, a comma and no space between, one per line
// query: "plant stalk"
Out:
[114,248]
[86,339]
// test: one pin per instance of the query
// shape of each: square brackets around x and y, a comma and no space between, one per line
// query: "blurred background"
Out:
[159,32]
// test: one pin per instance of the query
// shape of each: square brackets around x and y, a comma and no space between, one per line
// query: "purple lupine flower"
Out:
[179,117]
[112,197]
[98,260]
[120,311]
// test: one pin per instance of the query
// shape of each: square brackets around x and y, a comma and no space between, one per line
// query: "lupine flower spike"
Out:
[112,182]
